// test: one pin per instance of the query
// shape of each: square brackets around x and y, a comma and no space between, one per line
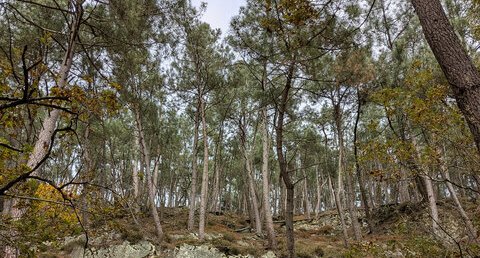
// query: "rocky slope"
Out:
[400,231]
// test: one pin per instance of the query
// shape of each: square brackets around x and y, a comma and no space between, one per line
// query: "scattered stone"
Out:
[203,251]
[396,254]
[124,250]
[269,254]
[207,251]
[242,243]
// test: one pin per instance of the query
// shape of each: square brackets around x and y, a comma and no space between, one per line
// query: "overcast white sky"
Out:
[219,12]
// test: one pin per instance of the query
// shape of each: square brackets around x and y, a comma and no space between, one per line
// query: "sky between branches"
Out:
[219,12]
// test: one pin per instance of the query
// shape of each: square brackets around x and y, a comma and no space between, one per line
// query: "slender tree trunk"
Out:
[43,144]
[305,193]
[341,171]
[136,179]
[432,201]
[193,189]
[283,197]
[272,242]
[318,206]
[458,67]
[86,177]
[332,193]
[359,174]
[352,208]
[250,182]
[253,196]
[204,189]
[471,231]
[338,204]
[404,195]
[151,189]
[282,109]
[215,205]
[156,171]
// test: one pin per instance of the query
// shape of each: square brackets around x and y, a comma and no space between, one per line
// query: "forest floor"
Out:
[400,230]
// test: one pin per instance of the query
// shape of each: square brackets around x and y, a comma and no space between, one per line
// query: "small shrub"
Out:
[326,230]
[131,233]
[230,237]
[225,246]
[307,250]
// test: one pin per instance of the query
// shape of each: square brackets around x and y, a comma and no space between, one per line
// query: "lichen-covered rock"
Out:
[202,251]
[206,251]
[269,254]
[124,250]
[394,254]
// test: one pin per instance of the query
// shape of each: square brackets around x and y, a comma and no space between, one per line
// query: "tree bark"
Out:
[43,144]
[341,171]
[284,174]
[204,189]
[318,206]
[458,67]
[253,195]
[305,195]
[359,174]
[338,204]
[215,205]
[250,182]
[432,201]
[193,186]
[471,231]
[148,174]
[136,179]
[272,242]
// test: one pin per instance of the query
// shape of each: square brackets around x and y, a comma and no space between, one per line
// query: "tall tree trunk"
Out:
[471,231]
[253,195]
[305,195]
[352,208]
[151,188]
[432,201]
[193,186]
[272,242]
[156,171]
[136,179]
[333,198]
[204,189]
[458,67]
[404,195]
[338,204]
[282,109]
[44,141]
[215,205]
[86,176]
[359,174]
[283,196]
[341,170]
[250,182]
[318,206]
